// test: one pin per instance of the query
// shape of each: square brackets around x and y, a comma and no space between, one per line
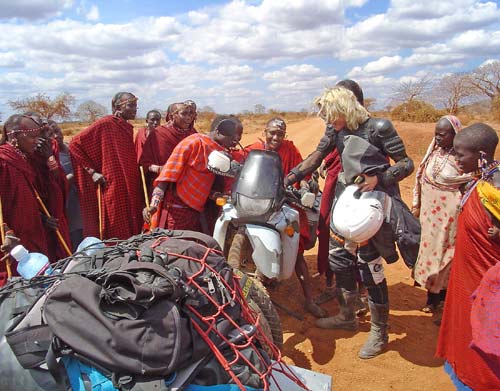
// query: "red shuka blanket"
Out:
[333,167]
[19,205]
[139,141]
[107,146]
[52,189]
[158,147]
[474,255]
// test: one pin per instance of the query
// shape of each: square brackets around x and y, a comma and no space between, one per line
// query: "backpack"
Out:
[147,308]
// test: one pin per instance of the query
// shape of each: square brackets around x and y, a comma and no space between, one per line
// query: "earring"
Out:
[482,163]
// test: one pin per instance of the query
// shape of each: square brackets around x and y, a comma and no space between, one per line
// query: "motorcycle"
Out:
[260,220]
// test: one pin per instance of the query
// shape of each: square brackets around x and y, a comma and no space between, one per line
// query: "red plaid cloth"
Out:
[187,167]
[52,189]
[173,213]
[107,146]
[333,167]
[19,205]
[139,141]
[158,147]
[475,253]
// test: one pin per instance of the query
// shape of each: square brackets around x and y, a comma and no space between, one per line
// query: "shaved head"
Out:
[479,137]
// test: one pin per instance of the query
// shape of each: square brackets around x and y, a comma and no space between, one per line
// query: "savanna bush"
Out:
[416,111]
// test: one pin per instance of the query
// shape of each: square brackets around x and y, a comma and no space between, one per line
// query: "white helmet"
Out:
[358,218]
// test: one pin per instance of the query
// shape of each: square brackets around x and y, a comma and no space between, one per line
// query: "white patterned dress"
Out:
[439,207]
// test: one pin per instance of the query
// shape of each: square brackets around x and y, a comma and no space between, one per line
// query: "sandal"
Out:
[325,296]
[316,310]
[429,308]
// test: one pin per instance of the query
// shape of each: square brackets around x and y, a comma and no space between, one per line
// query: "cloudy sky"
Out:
[232,55]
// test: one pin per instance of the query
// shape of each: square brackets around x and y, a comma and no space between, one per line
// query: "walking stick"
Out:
[99,206]
[58,233]
[146,198]
[2,234]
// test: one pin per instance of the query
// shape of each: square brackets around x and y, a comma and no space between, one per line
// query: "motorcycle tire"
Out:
[259,301]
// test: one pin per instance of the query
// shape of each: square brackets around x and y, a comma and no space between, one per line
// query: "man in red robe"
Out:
[185,183]
[153,120]
[275,134]
[476,251]
[20,208]
[160,143]
[105,165]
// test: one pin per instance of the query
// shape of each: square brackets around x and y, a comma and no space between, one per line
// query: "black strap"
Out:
[56,369]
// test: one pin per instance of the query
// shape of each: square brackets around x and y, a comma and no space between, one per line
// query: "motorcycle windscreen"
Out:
[261,176]
[258,188]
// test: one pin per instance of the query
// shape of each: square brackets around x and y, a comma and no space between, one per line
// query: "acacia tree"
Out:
[47,107]
[485,80]
[451,90]
[410,90]
[369,103]
[90,111]
[259,109]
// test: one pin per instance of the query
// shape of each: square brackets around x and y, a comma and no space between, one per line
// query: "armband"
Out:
[52,163]
[157,197]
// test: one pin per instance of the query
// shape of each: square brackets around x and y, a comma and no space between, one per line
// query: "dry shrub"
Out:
[416,111]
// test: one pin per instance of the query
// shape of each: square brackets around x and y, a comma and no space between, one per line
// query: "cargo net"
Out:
[247,345]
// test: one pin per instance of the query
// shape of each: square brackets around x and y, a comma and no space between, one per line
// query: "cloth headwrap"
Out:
[189,102]
[277,123]
[455,122]
[457,127]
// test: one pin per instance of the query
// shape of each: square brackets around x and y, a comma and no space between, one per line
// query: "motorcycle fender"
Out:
[222,223]
[267,250]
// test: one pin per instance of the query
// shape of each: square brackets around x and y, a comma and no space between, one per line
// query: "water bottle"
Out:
[30,265]
[90,245]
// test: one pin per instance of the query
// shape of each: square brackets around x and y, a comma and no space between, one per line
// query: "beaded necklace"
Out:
[481,174]
[18,151]
[436,168]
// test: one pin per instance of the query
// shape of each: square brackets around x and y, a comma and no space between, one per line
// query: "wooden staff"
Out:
[2,234]
[146,198]
[99,206]
[58,233]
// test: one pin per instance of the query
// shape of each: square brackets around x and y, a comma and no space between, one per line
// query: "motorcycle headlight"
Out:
[253,207]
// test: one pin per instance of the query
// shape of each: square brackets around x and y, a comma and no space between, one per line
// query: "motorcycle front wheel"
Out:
[256,294]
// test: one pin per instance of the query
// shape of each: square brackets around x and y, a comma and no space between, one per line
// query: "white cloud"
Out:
[93,13]
[410,24]
[10,60]
[33,9]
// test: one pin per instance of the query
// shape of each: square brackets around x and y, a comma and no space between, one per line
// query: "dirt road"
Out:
[409,362]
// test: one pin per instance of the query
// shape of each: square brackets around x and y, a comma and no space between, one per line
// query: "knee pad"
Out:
[372,273]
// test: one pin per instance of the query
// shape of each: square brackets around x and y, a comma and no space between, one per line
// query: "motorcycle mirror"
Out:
[219,161]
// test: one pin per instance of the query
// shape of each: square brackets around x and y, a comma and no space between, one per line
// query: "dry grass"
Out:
[252,123]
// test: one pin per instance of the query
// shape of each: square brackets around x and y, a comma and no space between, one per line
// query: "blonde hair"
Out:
[339,101]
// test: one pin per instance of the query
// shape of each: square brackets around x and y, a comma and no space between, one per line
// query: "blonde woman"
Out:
[344,116]
[436,199]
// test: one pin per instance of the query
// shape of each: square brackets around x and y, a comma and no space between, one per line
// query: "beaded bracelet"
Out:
[157,197]
[52,163]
